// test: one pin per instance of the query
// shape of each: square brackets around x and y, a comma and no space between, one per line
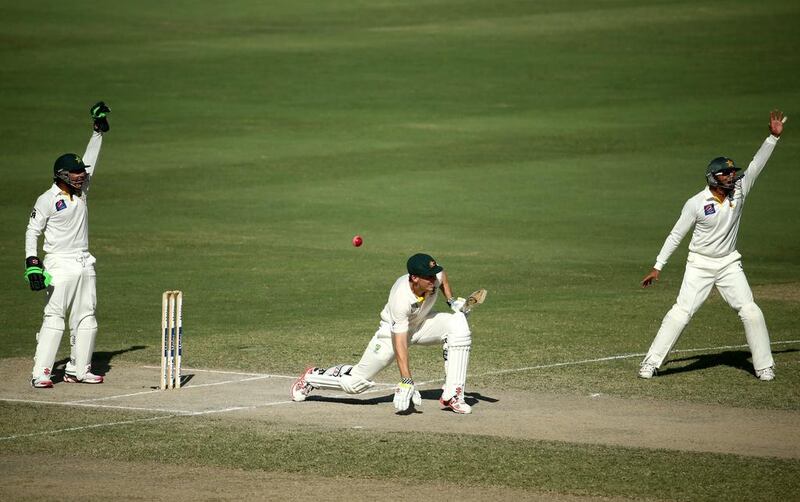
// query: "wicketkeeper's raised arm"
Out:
[99,113]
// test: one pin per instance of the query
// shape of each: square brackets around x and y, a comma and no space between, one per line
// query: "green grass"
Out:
[541,150]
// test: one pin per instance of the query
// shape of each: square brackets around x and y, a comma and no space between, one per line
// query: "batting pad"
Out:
[457,362]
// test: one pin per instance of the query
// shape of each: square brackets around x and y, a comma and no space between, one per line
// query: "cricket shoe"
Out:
[42,382]
[766,374]
[300,388]
[647,370]
[89,377]
[456,403]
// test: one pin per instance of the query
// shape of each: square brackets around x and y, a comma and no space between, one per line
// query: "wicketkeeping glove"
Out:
[35,275]
[99,112]
[405,394]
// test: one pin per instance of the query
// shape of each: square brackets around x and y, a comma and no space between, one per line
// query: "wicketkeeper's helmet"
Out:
[68,163]
[721,165]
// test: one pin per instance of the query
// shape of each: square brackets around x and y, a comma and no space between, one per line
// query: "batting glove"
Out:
[99,112]
[37,278]
[457,304]
[405,394]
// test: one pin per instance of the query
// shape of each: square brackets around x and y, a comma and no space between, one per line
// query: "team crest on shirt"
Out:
[709,209]
[33,213]
[60,204]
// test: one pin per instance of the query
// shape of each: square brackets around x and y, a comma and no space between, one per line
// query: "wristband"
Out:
[407,381]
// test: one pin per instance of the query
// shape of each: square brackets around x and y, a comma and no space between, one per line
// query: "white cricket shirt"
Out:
[716,223]
[64,220]
[404,311]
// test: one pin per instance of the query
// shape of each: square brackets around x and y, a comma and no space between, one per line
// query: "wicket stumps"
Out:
[171,339]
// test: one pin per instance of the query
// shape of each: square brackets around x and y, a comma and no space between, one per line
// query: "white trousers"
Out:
[438,328]
[703,273]
[71,295]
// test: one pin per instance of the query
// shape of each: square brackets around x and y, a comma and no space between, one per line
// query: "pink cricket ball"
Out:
[357,241]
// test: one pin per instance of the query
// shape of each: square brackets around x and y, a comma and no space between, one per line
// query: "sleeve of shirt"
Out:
[757,164]
[36,225]
[679,231]
[91,156]
[399,313]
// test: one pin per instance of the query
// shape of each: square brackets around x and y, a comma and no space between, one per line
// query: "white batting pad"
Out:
[457,362]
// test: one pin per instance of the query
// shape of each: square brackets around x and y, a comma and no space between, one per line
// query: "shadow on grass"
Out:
[739,359]
[101,362]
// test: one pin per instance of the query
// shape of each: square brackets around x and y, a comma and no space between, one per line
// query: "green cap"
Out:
[721,164]
[69,162]
[423,265]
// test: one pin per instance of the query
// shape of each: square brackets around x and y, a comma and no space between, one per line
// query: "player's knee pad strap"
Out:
[355,385]
[53,322]
[459,334]
[339,377]
[88,322]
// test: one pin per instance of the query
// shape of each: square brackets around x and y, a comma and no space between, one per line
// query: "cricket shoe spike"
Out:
[300,388]
[456,403]
[42,382]
[89,377]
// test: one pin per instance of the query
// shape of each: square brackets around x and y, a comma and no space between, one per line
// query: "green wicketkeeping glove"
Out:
[99,112]
[36,276]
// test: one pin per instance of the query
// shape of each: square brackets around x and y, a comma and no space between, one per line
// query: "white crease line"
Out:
[155,391]
[92,405]
[94,426]
[264,375]
[113,397]
[601,359]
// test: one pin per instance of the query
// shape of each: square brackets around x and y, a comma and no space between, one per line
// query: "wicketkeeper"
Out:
[713,260]
[408,319]
[67,271]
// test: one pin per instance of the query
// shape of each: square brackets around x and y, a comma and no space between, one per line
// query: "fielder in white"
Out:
[713,260]
[407,319]
[67,271]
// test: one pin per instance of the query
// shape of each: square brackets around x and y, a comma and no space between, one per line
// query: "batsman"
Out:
[715,214]
[67,271]
[408,319]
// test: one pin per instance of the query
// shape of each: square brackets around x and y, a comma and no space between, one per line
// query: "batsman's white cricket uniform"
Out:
[407,313]
[64,220]
[714,261]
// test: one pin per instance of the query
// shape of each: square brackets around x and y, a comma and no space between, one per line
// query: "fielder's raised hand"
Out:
[35,274]
[776,121]
[99,113]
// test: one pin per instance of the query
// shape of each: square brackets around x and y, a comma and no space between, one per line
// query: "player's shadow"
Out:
[739,359]
[101,362]
[428,395]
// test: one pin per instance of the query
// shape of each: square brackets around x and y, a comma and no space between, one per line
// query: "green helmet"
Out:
[68,163]
[719,165]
